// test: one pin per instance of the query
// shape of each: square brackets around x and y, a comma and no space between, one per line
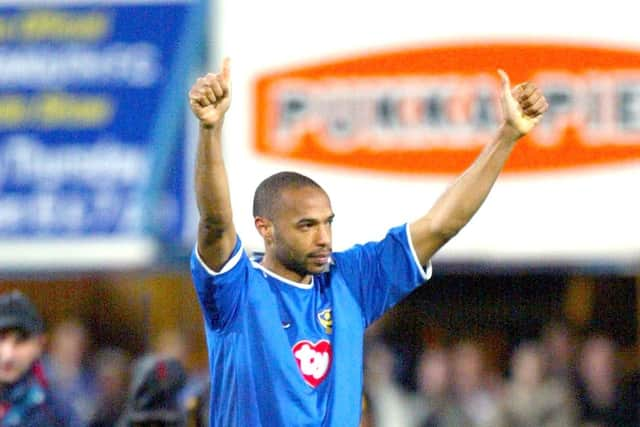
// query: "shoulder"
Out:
[238,262]
[52,412]
[396,236]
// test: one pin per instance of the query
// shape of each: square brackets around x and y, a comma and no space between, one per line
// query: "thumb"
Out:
[506,83]
[226,69]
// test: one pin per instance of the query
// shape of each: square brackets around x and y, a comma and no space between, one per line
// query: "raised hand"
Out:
[522,106]
[210,96]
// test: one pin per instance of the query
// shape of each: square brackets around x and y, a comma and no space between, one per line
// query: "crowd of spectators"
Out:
[49,376]
[555,380]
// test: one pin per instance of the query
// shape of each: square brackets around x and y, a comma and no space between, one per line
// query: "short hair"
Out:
[268,193]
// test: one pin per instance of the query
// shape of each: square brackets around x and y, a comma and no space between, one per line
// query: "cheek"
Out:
[294,241]
[28,353]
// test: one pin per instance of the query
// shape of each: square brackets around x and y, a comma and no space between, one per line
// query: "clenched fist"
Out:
[210,96]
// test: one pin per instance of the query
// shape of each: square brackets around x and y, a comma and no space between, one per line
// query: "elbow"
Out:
[446,230]
[215,227]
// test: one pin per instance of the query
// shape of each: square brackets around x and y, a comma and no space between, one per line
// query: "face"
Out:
[434,372]
[299,239]
[528,367]
[18,352]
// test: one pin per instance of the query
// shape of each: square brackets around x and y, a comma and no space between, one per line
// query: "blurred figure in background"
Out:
[531,398]
[197,407]
[631,396]
[560,348]
[153,394]
[65,361]
[172,343]
[435,390]
[25,397]
[598,383]
[112,376]
[388,404]
[470,379]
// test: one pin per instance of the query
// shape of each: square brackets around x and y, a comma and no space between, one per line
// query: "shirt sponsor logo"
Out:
[314,360]
[432,109]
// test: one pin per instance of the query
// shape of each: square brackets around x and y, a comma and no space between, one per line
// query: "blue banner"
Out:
[91,112]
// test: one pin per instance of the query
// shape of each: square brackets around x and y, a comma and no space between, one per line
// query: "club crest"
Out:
[326,320]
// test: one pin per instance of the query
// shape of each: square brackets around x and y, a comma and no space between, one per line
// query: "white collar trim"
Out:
[284,279]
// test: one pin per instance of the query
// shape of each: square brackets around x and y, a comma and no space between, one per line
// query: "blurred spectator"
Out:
[197,407]
[470,379]
[367,416]
[559,345]
[172,343]
[434,386]
[598,384]
[25,397]
[65,361]
[112,373]
[630,409]
[389,404]
[531,398]
[153,394]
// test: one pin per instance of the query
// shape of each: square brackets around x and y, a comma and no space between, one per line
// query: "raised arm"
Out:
[209,98]
[522,109]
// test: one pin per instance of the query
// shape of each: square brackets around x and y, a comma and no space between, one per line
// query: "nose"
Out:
[323,236]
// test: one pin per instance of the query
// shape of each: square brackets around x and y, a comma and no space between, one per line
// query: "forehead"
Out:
[304,202]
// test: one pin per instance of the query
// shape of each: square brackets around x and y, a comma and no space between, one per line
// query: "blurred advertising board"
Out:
[388,104]
[90,120]
[410,111]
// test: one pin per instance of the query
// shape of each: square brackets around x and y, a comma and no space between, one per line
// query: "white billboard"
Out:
[576,202]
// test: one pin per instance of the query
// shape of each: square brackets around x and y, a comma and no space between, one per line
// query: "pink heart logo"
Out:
[313,359]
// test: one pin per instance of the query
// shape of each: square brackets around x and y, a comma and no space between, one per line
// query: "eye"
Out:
[22,336]
[305,225]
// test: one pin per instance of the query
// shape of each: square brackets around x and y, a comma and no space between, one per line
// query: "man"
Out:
[285,334]
[153,395]
[25,399]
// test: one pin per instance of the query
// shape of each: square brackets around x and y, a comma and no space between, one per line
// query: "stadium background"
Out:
[97,218]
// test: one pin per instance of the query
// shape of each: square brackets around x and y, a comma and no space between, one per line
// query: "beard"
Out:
[294,262]
[301,264]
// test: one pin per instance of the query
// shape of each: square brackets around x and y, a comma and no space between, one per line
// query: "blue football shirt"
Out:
[283,353]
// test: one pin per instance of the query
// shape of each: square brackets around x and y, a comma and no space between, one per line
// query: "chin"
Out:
[9,378]
[317,269]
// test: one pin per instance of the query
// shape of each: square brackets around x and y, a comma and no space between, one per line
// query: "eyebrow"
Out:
[315,220]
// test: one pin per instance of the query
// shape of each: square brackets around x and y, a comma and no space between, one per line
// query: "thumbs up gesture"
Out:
[210,96]
[522,106]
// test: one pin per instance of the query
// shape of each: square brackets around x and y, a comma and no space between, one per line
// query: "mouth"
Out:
[6,369]
[320,258]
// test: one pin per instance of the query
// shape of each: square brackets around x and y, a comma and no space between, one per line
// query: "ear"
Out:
[264,227]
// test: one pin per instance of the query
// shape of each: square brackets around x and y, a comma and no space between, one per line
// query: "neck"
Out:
[271,264]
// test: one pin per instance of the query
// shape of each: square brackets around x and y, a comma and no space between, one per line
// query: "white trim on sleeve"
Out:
[425,272]
[226,267]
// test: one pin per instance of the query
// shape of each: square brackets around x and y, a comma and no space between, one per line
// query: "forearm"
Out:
[463,198]
[211,182]
[522,109]
[457,205]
